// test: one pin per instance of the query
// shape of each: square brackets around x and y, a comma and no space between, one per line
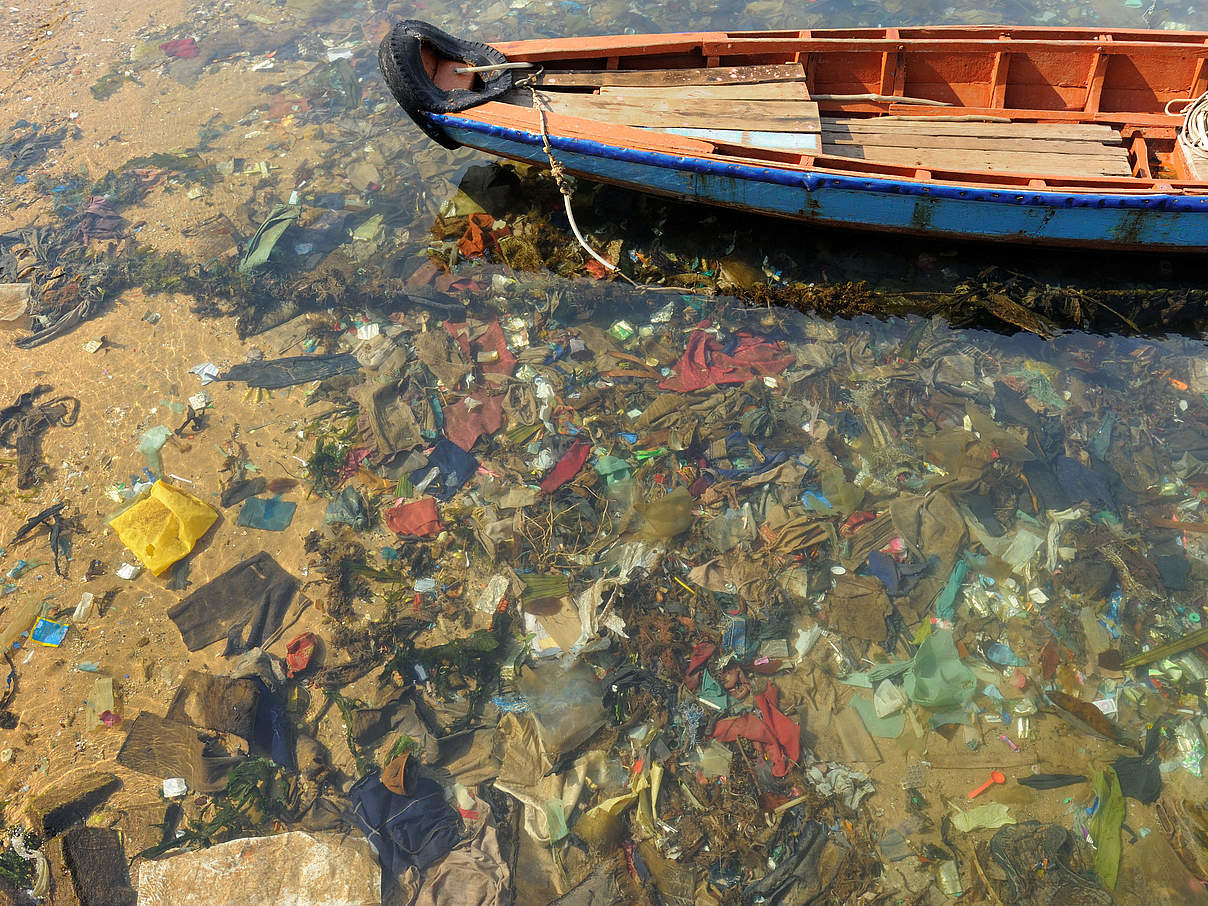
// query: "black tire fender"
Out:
[402,66]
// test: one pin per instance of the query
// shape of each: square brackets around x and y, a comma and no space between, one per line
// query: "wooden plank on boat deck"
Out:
[767,91]
[773,116]
[995,161]
[1111,117]
[512,117]
[1072,131]
[635,78]
[841,136]
[773,141]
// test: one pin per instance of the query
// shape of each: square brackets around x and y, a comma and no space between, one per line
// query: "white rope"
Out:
[570,215]
[559,173]
[1193,137]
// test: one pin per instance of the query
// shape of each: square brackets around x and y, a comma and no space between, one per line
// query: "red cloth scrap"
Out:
[775,735]
[567,467]
[299,652]
[705,365]
[353,460]
[480,235]
[182,48]
[464,424]
[701,653]
[416,518]
[490,341]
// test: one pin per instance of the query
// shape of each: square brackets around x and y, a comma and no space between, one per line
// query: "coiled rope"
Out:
[1193,137]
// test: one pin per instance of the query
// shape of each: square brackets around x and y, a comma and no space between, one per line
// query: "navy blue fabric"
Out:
[899,578]
[1081,484]
[407,831]
[272,730]
[455,464]
[1044,487]
[770,462]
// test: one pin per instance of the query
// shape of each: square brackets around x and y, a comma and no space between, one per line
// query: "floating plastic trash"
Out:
[272,514]
[164,526]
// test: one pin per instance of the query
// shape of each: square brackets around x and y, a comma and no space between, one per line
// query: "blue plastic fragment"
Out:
[272,514]
[48,632]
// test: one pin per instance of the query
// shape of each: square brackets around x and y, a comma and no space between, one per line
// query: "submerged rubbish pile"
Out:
[696,603]
[503,577]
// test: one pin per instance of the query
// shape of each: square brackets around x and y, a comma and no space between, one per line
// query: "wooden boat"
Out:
[1069,137]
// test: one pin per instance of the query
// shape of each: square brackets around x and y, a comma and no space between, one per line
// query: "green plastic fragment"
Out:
[151,444]
[1105,826]
[262,244]
[890,727]
[555,816]
[612,468]
[936,678]
[552,586]
[712,692]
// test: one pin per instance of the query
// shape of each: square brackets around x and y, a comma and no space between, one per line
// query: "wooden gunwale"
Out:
[1012,57]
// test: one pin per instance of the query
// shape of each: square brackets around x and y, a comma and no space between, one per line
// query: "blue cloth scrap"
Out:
[816,502]
[272,730]
[407,831]
[770,462]
[456,467]
[899,578]
[269,513]
[1081,484]
[348,508]
[734,635]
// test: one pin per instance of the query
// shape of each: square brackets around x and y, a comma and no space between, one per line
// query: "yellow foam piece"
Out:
[162,528]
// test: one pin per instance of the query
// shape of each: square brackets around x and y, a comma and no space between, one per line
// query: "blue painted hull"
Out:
[1143,221]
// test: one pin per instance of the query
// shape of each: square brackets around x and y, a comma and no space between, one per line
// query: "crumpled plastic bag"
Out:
[839,781]
[936,678]
[991,815]
[164,526]
[348,508]
[262,244]
[667,516]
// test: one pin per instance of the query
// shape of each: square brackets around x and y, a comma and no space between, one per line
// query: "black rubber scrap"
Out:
[1051,781]
[298,369]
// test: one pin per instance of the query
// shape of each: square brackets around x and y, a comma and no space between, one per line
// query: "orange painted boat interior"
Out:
[1124,79]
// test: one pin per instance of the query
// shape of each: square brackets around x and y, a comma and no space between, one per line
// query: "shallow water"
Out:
[1061,468]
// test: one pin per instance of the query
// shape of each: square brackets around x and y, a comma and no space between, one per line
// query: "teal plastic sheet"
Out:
[151,444]
[890,727]
[937,678]
[945,604]
[712,692]
[613,468]
[272,514]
